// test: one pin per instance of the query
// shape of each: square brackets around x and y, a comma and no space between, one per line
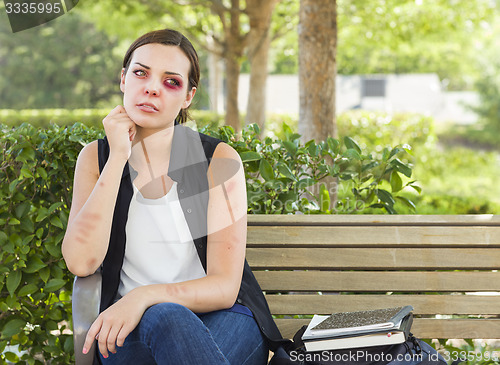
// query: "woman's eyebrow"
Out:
[166,72]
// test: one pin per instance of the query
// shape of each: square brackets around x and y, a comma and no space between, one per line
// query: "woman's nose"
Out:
[152,88]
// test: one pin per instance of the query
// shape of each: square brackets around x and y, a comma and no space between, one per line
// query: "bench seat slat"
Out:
[376,281]
[277,236]
[377,220]
[376,258]
[423,304]
[425,328]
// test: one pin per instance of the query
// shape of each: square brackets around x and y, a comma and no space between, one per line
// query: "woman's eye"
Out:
[172,83]
[140,73]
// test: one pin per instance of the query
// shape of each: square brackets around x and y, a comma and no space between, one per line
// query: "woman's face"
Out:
[155,85]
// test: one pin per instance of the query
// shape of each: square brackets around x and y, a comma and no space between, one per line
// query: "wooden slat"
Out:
[422,304]
[424,328]
[376,281]
[388,236]
[383,258]
[374,219]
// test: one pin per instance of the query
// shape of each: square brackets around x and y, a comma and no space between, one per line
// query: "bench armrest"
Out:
[86,300]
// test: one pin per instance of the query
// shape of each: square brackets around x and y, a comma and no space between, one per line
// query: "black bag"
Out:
[411,352]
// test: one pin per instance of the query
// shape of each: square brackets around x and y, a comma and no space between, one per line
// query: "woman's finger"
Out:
[102,340]
[91,335]
[122,334]
[111,341]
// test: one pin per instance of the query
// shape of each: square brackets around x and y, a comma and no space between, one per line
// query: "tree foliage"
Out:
[405,36]
[408,36]
[65,63]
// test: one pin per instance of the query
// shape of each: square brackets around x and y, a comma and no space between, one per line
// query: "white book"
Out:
[357,340]
[359,322]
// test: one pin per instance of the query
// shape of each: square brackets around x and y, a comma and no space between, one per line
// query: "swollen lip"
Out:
[147,108]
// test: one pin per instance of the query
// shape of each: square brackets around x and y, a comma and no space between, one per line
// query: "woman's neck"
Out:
[152,149]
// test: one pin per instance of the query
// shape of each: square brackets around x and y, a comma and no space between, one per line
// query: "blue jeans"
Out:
[169,333]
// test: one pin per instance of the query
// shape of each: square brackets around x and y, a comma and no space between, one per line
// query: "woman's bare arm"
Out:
[89,224]
[94,196]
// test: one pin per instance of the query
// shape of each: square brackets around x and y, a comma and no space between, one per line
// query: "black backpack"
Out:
[411,352]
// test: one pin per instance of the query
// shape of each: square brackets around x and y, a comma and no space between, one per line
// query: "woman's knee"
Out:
[164,316]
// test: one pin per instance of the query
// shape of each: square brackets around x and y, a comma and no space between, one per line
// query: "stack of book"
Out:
[358,329]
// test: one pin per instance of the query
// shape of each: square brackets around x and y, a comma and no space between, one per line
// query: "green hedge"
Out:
[36,174]
[89,117]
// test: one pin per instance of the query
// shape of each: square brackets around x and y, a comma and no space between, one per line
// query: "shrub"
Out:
[89,117]
[36,173]
[286,176]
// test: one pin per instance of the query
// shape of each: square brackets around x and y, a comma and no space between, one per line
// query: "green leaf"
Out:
[13,327]
[13,281]
[324,199]
[385,197]
[55,221]
[352,153]
[42,173]
[401,167]
[14,222]
[396,182]
[34,265]
[417,188]
[54,206]
[12,357]
[351,144]
[12,185]
[285,171]
[266,170]
[53,250]
[54,284]
[334,144]
[44,274]
[42,214]
[27,290]
[407,202]
[250,156]
[22,209]
[290,147]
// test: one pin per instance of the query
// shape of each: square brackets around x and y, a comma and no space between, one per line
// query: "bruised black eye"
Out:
[173,83]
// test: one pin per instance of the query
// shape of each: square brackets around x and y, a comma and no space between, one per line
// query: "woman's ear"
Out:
[189,98]
[122,80]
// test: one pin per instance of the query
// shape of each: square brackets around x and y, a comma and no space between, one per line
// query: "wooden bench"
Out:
[444,266]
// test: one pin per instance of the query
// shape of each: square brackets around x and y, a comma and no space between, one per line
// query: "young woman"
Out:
[161,210]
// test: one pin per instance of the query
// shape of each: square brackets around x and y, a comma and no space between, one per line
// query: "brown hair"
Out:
[170,37]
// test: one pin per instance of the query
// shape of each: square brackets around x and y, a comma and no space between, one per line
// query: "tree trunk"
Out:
[215,70]
[232,81]
[317,68]
[234,52]
[259,39]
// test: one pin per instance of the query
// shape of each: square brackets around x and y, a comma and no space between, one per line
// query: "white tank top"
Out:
[159,247]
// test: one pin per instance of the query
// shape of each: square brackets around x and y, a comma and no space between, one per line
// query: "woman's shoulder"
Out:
[89,150]
[88,157]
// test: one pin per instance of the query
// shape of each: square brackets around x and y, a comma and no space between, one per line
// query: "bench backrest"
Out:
[444,266]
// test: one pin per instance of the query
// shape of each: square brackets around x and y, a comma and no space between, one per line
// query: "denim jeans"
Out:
[169,333]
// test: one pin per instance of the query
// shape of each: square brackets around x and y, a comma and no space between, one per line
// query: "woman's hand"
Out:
[115,323]
[120,130]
